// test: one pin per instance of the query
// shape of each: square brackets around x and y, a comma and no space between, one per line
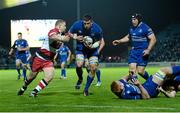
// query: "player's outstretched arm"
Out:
[58,37]
[122,40]
[23,49]
[169,94]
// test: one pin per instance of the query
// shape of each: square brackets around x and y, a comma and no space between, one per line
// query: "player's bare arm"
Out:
[58,37]
[76,37]
[169,94]
[23,49]
[69,55]
[102,44]
[11,51]
[152,42]
[144,93]
[94,45]
[122,40]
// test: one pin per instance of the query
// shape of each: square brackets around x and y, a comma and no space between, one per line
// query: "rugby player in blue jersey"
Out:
[98,71]
[63,54]
[149,89]
[81,29]
[142,41]
[20,46]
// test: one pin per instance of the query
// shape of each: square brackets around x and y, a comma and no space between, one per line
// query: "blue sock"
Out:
[146,75]
[63,72]
[98,74]
[88,83]
[24,73]
[18,70]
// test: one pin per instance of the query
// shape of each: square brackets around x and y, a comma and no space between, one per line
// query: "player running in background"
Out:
[20,46]
[63,54]
[142,41]
[149,89]
[80,30]
[43,60]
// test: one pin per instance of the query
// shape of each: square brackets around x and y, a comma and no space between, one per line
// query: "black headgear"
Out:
[137,16]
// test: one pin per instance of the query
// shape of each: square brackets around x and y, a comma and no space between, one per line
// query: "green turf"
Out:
[60,95]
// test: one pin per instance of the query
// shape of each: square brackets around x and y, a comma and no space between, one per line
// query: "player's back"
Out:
[130,91]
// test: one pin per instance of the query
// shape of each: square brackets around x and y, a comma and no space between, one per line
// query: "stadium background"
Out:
[114,17]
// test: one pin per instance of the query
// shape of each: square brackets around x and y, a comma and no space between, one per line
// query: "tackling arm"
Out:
[58,37]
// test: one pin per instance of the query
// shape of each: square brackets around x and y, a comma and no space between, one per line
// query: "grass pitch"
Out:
[61,96]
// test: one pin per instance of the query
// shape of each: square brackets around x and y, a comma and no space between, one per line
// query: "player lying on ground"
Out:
[149,89]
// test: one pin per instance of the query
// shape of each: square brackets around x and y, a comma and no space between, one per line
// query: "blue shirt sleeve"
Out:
[74,27]
[148,30]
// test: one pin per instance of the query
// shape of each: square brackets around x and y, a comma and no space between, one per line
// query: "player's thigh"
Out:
[132,67]
[32,75]
[79,60]
[93,62]
[18,62]
[63,64]
[48,73]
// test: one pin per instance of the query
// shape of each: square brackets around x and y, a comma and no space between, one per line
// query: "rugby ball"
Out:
[88,40]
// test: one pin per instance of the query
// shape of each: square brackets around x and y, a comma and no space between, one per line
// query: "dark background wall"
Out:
[112,15]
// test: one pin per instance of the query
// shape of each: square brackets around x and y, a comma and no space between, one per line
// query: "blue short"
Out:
[22,57]
[136,56]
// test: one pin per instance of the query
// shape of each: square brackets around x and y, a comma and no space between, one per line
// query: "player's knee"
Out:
[79,65]
[48,78]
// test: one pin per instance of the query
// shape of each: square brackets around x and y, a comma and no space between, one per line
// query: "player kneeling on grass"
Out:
[149,89]
[43,60]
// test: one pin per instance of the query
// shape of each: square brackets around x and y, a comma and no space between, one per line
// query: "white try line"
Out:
[102,107]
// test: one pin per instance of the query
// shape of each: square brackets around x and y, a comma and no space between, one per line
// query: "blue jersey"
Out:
[151,87]
[130,91]
[95,32]
[20,44]
[63,52]
[139,36]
